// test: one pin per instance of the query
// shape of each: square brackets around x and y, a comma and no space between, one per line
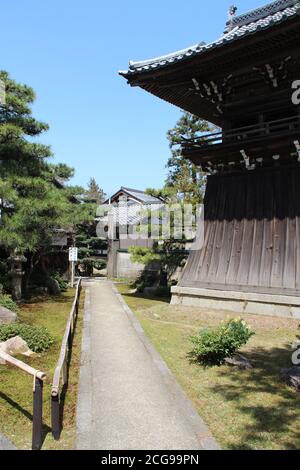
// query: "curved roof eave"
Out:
[229,37]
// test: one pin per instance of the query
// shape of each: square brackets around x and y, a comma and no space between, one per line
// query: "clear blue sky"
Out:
[70,51]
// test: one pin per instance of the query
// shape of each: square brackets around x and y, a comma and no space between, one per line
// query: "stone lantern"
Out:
[16,273]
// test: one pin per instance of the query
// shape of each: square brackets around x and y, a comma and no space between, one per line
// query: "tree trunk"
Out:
[32,260]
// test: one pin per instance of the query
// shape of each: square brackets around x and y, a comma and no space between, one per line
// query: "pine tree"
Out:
[88,243]
[32,205]
[94,193]
[185,179]
[89,247]
[185,184]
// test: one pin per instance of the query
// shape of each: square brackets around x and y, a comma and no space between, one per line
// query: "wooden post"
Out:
[55,417]
[37,424]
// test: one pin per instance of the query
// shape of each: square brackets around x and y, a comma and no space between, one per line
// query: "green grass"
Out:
[16,386]
[249,409]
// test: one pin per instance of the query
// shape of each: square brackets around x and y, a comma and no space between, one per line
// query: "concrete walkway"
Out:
[5,444]
[128,398]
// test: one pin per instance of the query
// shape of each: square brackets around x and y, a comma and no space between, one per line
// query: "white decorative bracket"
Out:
[247,160]
[297,145]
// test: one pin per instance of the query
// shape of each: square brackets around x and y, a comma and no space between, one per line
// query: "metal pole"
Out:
[72,273]
[37,424]
[55,417]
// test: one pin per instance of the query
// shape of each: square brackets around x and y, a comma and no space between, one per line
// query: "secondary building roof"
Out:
[135,210]
[134,195]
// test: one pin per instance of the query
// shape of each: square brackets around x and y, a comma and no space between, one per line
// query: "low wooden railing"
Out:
[60,378]
[38,382]
[255,131]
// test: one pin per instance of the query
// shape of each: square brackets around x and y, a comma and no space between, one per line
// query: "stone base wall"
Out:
[239,302]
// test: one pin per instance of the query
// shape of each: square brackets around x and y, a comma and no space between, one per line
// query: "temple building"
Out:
[130,205]
[244,84]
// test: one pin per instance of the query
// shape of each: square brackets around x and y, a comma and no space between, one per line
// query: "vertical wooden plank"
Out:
[246,254]
[256,252]
[195,260]
[217,252]
[267,254]
[222,202]
[203,269]
[290,258]
[297,252]
[232,273]
[267,203]
[248,230]
[225,255]
[279,250]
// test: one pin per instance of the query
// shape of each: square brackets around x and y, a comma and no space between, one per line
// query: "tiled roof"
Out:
[242,26]
[134,210]
[259,13]
[141,195]
[132,214]
[136,194]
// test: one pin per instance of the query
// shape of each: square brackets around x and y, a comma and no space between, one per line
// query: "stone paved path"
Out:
[128,398]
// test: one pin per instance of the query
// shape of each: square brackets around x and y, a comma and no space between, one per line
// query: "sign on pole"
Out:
[73,257]
[73,253]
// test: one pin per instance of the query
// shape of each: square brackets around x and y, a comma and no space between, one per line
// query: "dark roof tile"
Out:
[243,25]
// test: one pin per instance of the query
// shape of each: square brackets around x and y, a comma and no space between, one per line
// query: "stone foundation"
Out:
[240,302]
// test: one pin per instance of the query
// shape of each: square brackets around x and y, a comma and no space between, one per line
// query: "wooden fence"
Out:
[60,378]
[38,382]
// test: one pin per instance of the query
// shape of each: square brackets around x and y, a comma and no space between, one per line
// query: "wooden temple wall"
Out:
[252,234]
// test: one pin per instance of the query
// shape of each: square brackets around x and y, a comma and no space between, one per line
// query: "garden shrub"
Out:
[88,266]
[4,278]
[213,345]
[162,292]
[7,302]
[146,279]
[63,284]
[100,264]
[37,337]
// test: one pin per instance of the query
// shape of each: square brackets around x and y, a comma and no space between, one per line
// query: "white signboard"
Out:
[73,254]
